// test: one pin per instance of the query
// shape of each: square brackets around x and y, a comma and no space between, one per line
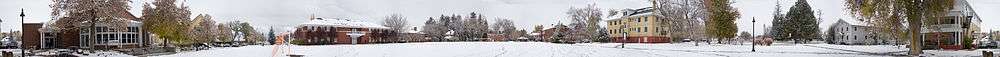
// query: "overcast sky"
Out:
[285,14]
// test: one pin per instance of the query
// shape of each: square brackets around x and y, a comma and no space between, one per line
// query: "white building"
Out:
[844,32]
[960,22]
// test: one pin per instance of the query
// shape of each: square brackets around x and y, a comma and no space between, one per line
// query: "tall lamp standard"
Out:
[624,35]
[753,44]
[22,38]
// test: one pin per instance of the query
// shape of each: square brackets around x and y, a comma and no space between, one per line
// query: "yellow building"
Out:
[640,25]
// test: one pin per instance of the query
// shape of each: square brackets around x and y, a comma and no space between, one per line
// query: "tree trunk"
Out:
[916,43]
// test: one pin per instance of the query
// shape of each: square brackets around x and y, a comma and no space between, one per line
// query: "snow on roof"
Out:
[413,31]
[855,22]
[625,13]
[535,34]
[450,32]
[340,22]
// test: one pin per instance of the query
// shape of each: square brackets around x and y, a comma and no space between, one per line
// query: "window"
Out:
[327,29]
[113,37]
[636,29]
[133,29]
[99,29]
[614,32]
[638,20]
[947,20]
[644,29]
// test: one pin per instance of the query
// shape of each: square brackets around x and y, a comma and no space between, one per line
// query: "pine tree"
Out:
[778,23]
[270,35]
[474,27]
[801,25]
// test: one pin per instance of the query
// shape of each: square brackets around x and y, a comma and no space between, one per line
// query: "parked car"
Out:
[686,40]
[985,43]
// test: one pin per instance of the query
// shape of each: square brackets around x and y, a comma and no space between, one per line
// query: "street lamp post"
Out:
[753,45]
[22,38]
[624,35]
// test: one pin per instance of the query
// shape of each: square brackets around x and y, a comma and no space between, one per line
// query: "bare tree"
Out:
[682,18]
[584,22]
[504,26]
[395,22]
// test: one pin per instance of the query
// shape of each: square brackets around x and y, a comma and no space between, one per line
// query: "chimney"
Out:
[656,4]
[312,16]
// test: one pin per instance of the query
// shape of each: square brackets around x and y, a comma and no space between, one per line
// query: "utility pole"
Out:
[753,44]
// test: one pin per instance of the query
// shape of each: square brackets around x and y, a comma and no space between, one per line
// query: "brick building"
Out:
[337,31]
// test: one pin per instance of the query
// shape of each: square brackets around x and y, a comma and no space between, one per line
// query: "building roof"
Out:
[625,13]
[340,22]
[413,31]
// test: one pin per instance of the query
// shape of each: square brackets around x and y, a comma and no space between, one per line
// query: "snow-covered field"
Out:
[542,49]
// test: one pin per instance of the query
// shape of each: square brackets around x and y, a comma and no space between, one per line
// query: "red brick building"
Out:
[31,36]
[550,34]
[337,31]
[43,36]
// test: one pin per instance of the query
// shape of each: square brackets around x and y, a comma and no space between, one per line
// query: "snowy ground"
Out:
[541,49]
[958,53]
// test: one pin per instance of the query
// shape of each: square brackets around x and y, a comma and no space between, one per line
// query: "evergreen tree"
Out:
[778,23]
[800,24]
[270,35]
[433,29]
